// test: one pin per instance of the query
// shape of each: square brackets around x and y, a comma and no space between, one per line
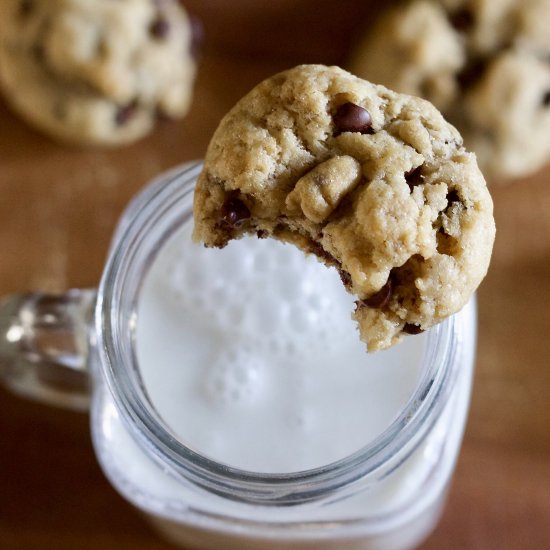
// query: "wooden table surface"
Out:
[58,207]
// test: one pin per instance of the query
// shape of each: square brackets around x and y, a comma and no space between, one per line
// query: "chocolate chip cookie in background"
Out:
[96,72]
[374,183]
[484,63]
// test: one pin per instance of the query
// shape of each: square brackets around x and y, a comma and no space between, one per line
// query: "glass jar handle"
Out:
[44,346]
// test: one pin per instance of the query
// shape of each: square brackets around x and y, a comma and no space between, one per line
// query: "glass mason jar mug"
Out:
[81,350]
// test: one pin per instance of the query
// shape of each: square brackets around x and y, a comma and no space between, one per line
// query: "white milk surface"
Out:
[250,356]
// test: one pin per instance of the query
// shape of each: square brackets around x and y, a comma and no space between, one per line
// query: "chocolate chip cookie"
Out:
[98,72]
[484,63]
[374,183]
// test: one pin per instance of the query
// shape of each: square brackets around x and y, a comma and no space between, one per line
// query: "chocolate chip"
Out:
[414,177]
[352,118]
[159,28]
[452,196]
[261,234]
[546,99]
[125,113]
[462,20]
[410,328]
[234,212]
[381,298]
[471,73]
[345,277]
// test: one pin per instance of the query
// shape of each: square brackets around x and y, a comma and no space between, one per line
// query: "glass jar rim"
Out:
[159,203]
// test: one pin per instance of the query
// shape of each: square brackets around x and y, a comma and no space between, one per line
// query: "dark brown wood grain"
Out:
[58,208]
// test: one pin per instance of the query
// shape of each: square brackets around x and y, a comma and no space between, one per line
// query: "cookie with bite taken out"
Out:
[374,183]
